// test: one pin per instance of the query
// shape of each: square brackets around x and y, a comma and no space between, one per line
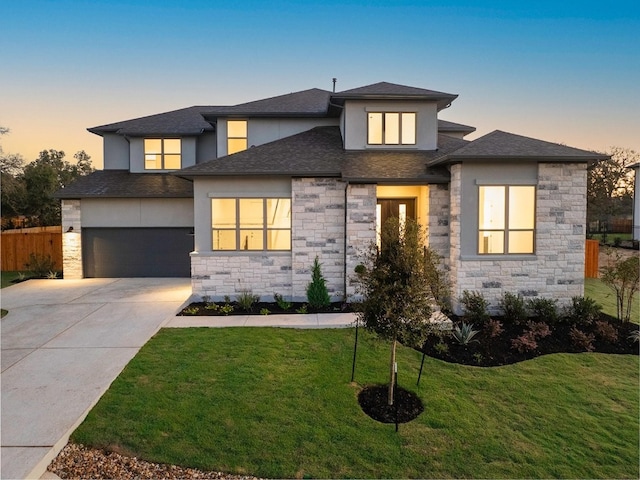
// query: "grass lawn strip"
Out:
[277,403]
[605,296]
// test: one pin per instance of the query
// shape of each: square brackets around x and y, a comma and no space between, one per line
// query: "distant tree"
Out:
[394,283]
[12,188]
[610,185]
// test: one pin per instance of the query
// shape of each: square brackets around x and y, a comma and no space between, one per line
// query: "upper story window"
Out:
[391,128]
[236,136]
[162,154]
[506,219]
[251,223]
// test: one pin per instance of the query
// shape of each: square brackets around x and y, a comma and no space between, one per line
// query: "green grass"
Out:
[610,237]
[278,403]
[8,277]
[594,288]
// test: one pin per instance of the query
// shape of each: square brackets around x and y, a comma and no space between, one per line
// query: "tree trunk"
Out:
[392,370]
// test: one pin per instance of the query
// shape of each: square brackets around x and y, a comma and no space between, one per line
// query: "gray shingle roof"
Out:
[445,126]
[499,145]
[319,152]
[393,91]
[312,102]
[123,184]
[186,121]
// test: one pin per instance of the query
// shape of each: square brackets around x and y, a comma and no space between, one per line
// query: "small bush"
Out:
[605,331]
[317,293]
[525,343]
[475,307]
[226,309]
[190,310]
[634,336]
[494,328]
[538,329]
[513,307]
[464,333]
[302,310]
[246,299]
[40,265]
[441,348]
[211,306]
[583,311]
[282,303]
[264,311]
[582,340]
[545,309]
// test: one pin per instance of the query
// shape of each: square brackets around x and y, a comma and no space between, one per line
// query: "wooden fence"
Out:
[592,250]
[17,245]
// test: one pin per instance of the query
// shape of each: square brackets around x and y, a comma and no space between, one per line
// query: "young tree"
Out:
[394,283]
[623,277]
[317,293]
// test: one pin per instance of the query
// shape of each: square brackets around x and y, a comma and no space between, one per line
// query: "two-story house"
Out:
[244,197]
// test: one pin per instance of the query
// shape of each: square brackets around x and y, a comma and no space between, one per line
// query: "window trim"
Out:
[162,153]
[265,225]
[383,131]
[506,230]
[245,138]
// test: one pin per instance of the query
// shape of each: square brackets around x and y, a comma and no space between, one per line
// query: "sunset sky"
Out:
[567,71]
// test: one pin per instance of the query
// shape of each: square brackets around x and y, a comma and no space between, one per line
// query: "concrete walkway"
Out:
[63,343]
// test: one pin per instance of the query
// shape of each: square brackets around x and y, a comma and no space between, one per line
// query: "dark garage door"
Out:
[137,252]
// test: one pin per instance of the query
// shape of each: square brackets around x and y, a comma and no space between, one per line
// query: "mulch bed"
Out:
[205,309]
[374,402]
[488,351]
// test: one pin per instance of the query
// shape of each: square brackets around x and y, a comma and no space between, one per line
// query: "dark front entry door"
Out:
[400,208]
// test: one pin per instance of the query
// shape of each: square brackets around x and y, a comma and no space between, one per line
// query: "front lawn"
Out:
[594,288]
[278,403]
[8,278]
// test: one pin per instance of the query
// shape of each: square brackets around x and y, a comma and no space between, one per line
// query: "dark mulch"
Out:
[374,402]
[200,308]
[490,351]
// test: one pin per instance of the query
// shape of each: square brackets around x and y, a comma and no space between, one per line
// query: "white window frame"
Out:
[385,122]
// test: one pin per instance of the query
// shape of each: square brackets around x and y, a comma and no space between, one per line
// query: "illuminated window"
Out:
[251,223]
[162,154]
[236,136]
[391,128]
[506,219]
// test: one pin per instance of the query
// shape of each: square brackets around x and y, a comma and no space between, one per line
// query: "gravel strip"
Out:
[80,462]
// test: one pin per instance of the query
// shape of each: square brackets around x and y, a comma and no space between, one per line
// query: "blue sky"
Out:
[567,71]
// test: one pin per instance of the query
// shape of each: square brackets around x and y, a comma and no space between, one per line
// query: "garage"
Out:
[137,252]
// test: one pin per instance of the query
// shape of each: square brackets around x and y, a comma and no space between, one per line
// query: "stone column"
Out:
[71,239]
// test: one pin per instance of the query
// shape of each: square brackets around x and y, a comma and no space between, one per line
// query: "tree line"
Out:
[27,188]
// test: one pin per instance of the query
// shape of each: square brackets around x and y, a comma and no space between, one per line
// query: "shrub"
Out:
[226,309]
[583,310]
[623,277]
[441,348]
[525,343]
[190,310]
[264,311]
[538,329]
[513,307]
[282,303]
[317,293]
[605,331]
[494,328]
[464,333]
[634,336]
[581,340]
[211,306]
[475,307]
[302,309]
[40,265]
[545,309]
[437,279]
[246,299]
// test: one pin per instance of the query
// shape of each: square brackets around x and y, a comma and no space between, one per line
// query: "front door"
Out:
[400,208]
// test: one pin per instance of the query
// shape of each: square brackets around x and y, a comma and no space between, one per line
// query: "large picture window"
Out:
[251,223]
[236,136]
[391,128]
[506,219]
[162,154]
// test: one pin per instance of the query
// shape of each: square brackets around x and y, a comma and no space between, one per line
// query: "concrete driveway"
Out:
[63,343]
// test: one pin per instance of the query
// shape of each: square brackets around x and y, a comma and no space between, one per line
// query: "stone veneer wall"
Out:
[71,241]
[558,268]
[438,225]
[361,227]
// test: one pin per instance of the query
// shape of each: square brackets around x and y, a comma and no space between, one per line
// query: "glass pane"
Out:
[402,216]
[391,128]
[224,239]
[522,207]
[279,212]
[491,242]
[278,239]
[152,162]
[235,145]
[251,213]
[223,212]
[408,128]
[251,240]
[237,129]
[172,145]
[152,145]
[375,129]
[491,208]
[521,242]
[172,162]
[378,225]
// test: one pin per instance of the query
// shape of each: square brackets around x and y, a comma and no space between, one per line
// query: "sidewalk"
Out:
[309,320]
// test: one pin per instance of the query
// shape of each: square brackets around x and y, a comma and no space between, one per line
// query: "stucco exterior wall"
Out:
[137,212]
[556,270]
[71,241]
[115,152]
